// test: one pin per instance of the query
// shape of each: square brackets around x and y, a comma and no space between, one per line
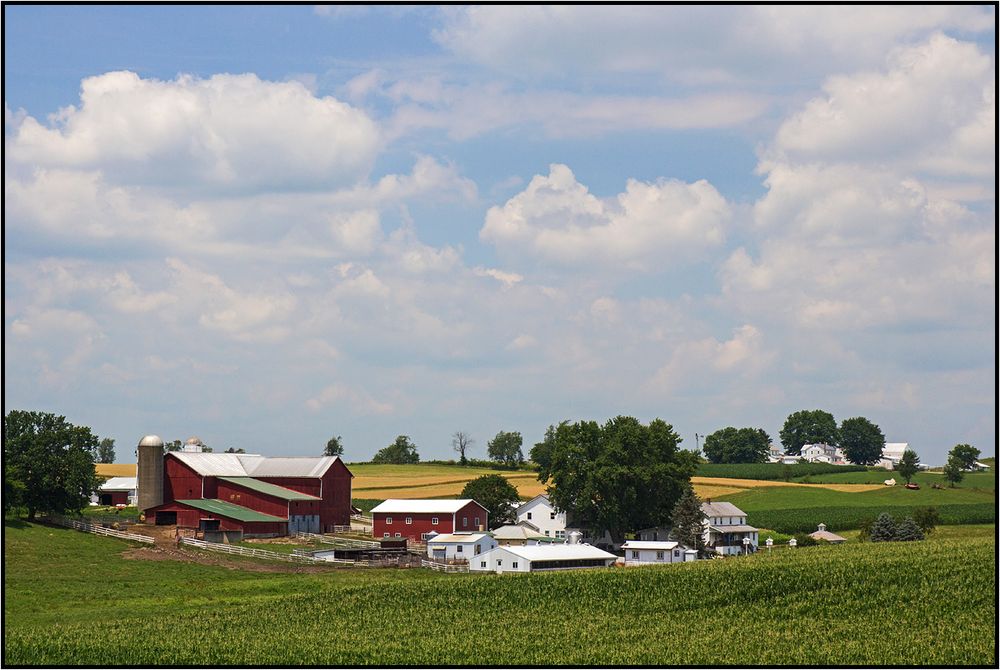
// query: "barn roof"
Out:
[457,538]
[118,484]
[646,544]
[515,532]
[228,509]
[428,506]
[269,488]
[253,465]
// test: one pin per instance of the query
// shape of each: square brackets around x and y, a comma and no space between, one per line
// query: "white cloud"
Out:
[649,225]
[508,279]
[708,361]
[228,131]
[358,400]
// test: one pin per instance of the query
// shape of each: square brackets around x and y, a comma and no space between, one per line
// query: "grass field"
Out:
[73,599]
[981,480]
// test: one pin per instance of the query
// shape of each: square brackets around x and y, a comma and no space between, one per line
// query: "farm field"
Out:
[981,480]
[73,598]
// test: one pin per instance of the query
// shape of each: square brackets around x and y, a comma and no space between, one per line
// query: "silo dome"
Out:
[193,440]
[151,441]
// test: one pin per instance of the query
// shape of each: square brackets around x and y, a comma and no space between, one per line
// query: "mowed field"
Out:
[77,599]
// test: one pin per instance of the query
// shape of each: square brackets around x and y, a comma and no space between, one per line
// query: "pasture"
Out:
[75,599]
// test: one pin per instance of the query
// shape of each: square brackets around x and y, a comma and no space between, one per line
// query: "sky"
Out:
[269,225]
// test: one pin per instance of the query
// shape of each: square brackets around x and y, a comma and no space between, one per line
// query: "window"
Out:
[635,554]
[514,565]
[478,549]
[385,534]
[529,516]
[552,515]
[388,521]
[482,564]
[475,522]
[409,520]
[499,562]
[546,533]
[398,535]
[458,549]
[677,552]
[434,521]
[423,536]
[465,522]
[560,533]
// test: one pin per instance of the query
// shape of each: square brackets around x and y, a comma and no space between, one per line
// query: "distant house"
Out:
[116,491]
[823,453]
[541,557]
[638,552]
[459,546]
[726,527]
[415,519]
[540,513]
[826,536]
[520,534]
[892,453]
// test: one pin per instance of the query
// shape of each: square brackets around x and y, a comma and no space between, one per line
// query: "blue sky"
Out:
[268,225]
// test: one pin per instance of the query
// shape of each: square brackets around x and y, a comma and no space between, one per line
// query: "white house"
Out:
[459,546]
[541,557]
[638,552]
[540,513]
[823,453]
[726,528]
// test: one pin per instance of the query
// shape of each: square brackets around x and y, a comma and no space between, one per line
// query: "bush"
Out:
[907,530]
[883,530]
[927,519]
[804,540]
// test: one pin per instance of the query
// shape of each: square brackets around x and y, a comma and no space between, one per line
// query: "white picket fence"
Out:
[99,530]
[254,553]
[341,542]
[444,567]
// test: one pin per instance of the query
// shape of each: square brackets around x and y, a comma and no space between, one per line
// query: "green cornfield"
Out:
[805,520]
[772,471]
[72,599]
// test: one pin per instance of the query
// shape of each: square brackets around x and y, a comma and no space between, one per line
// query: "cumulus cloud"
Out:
[706,361]
[357,400]
[233,131]
[649,225]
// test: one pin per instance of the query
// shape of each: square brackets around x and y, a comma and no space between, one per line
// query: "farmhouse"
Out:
[459,546]
[257,495]
[541,557]
[823,453]
[416,519]
[540,513]
[638,552]
[726,528]
[116,491]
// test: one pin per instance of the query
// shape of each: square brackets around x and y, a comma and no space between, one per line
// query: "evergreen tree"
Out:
[908,465]
[907,530]
[688,521]
[884,529]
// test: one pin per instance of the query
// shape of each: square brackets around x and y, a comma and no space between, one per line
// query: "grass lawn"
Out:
[72,599]
[972,480]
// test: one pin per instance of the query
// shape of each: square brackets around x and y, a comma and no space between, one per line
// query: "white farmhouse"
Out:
[541,557]
[823,453]
[540,513]
[638,552]
[459,546]
[726,528]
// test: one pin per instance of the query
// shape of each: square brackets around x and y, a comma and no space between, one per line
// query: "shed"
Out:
[639,552]
[459,546]
[542,557]
[117,491]
[827,536]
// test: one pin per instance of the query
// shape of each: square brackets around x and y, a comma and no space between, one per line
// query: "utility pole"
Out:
[697,443]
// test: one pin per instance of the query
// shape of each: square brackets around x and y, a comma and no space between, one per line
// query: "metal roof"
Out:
[735,528]
[228,509]
[269,488]
[254,465]
[721,509]
[556,552]
[648,544]
[291,466]
[460,538]
[428,506]
[517,532]
[118,484]
[827,535]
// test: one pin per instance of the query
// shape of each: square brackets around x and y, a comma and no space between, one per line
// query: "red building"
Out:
[249,492]
[414,519]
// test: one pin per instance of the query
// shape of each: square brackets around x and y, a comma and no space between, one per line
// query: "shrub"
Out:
[927,519]
[884,529]
[907,530]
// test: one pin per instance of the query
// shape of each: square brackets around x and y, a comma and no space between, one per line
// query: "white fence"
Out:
[444,567]
[99,530]
[252,552]
[341,542]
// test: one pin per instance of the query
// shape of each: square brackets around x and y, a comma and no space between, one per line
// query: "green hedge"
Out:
[772,471]
[805,520]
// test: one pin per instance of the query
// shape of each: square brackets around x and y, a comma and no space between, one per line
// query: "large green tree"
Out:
[808,427]
[106,450]
[49,462]
[334,446]
[908,465]
[965,454]
[687,521]
[401,451]
[618,477]
[496,494]
[505,448]
[953,471]
[861,440]
[541,453]
[737,445]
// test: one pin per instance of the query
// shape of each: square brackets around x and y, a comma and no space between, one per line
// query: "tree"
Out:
[400,452]
[461,442]
[953,471]
[966,454]
[334,447]
[106,450]
[49,462]
[861,440]
[927,518]
[173,445]
[908,465]
[883,529]
[687,521]
[541,453]
[505,448]
[808,427]
[737,445]
[618,477]
[907,530]
[232,450]
[496,494]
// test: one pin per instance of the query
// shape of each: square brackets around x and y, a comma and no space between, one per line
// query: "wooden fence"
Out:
[253,553]
[99,530]
[341,542]
[444,567]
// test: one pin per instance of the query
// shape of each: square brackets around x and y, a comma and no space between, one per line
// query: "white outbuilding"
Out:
[459,546]
[541,557]
[638,552]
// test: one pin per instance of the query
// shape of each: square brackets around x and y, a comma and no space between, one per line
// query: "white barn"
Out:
[540,513]
[892,453]
[639,552]
[541,557]
[459,546]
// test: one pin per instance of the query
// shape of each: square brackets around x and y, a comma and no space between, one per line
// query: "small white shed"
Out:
[459,546]
[541,557]
[638,552]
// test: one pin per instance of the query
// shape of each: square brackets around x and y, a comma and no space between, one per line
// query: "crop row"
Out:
[772,471]
[805,520]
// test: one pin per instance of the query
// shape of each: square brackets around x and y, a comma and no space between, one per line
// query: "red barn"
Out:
[249,492]
[414,519]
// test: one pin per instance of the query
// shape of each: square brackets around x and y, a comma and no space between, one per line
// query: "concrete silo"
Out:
[150,472]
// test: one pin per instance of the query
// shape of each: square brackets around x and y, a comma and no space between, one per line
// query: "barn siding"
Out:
[180,482]
[423,522]
[255,500]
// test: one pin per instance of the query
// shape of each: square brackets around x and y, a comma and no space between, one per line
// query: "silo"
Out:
[150,474]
